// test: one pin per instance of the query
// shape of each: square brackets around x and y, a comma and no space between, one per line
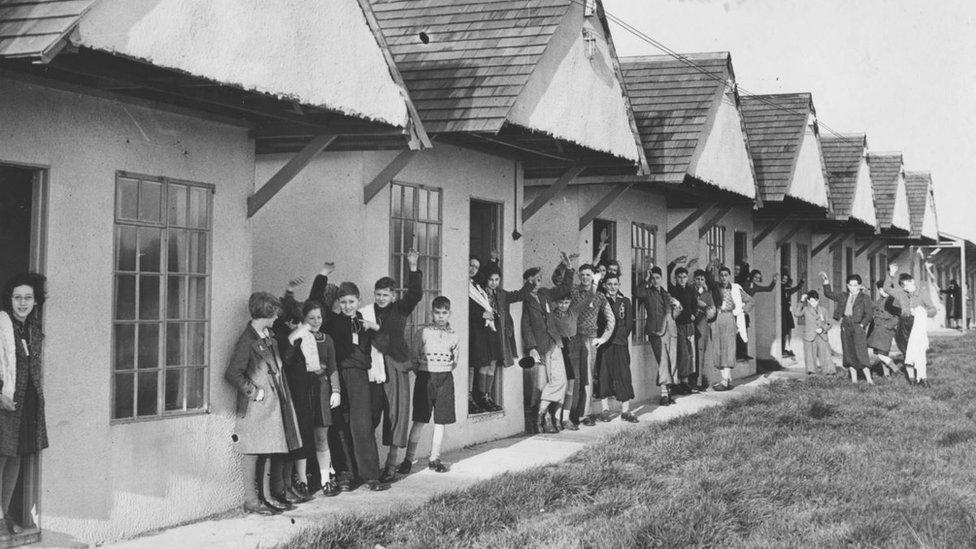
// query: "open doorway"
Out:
[604,241]
[486,365]
[21,205]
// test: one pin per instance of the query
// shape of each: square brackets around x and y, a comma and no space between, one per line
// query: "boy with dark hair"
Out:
[816,324]
[613,377]
[352,438]
[886,318]
[438,346]
[854,311]
[730,300]
[389,375]
[704,317]
[681,289]
[916,307]
[661,330]
[542,340]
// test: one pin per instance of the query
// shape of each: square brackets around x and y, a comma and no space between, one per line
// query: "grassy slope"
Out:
[816,463]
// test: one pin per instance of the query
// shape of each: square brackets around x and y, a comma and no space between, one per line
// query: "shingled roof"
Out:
[775,125]
[674,102]
[842,156]
[35,29]
[885,171]
[918,187]
[484,66]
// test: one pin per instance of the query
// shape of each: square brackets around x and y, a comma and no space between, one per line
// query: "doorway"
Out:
[21,209]
[739,243]
[485,241]
[604,235]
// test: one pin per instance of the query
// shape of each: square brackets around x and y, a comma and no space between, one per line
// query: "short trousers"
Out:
[433,394]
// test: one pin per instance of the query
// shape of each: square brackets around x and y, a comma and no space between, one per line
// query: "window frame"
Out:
[397,260]
[638,337]
[163,225]
[802,263]
[715,241]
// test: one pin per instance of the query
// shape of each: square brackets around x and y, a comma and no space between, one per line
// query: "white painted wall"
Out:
[767,314]
[320,216]
[900,218]
[724,161]
[100,481]
[863,205]
[575,98]
[808,182]
[930,225]
[318,53]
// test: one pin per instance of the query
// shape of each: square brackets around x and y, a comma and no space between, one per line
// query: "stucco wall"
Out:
[767,315]
[808,182]
[930,225]
[102,481]
[724,161]
[576,98]
[320,216]
[863,205]
[318,53]
[900,218]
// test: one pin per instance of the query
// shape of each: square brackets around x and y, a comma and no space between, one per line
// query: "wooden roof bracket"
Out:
[288,172]
[603,204]
[874,244]
[825,242]
[550,192]
[796,228]
[687,221]
[712,221]
[387,174]
[840,241]
[768,230]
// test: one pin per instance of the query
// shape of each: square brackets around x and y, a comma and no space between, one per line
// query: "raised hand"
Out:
[327,268]
[694,261]
[413,257]
[680,259]
[335,400]
[494,255]
[823,277]
[295,282]
[7,404]
[893,269]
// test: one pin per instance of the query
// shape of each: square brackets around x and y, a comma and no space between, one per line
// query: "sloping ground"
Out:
[818,463]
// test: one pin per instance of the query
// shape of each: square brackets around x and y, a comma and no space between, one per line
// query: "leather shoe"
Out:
[276,505]
[294,494]
[924,383]
[588,421]
[260,508]
[437,466]
[376,486]
[286,498]
[665,401]
[404,467]
[628,417]
[12,526]
[570,426]
[388,476]
[606,416]
[330,489]
[722,387]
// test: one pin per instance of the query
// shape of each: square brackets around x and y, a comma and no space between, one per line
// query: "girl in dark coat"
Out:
[886,315]
[786,310]
[23,430]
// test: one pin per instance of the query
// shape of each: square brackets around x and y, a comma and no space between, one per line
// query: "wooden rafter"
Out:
[789,234]
[602,205]
[383,178]
[768,230]
[825,242]
[712,221]
[287,172]
[839,242]
[872,244]
[550,192]
[687,221]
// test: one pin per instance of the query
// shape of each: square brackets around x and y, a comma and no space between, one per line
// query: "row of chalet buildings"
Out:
[159,161]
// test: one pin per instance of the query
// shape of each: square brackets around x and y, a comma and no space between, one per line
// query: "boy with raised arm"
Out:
[816,324]
[681,289]
[854,311]
[916,306]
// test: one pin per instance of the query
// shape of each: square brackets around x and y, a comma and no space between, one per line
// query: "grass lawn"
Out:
[815,463]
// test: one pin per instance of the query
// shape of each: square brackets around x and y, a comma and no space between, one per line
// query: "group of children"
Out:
[867,328]
[315,379]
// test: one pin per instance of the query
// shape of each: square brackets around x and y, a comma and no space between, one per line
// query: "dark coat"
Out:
[390,339]
[862,312]
[539,332]
[623,312]
[504,337]
[657,303]
[340,328]
[28,378]
[885,323]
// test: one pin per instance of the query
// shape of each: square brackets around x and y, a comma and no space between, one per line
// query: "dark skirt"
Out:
[486,345]
[880,338]
[788,322]
[613,373]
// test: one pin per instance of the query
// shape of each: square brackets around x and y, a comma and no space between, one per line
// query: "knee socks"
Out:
[392,458]
[416,431]
[921,369]
[625,407]
[665,392]
[435,445]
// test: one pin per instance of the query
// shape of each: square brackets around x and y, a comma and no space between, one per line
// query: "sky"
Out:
[901,71]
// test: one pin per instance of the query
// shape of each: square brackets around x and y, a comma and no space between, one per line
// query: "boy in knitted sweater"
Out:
[438,346]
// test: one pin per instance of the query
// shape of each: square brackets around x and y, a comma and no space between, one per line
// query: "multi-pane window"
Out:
[643,255]
[715,241]
[849,261]
[161,318]
[416,224]
[785,261]
[802,262]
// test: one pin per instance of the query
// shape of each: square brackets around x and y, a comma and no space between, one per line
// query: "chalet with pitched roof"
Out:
[127,164]
[890,194]
[509,92]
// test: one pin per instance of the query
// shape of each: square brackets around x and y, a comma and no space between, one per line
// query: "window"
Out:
[802,263]
[739,243]
[785,265]
[415,223]
[161,320]
[604,231]
[837,280]
[849,260]
[643,253]
[715,240]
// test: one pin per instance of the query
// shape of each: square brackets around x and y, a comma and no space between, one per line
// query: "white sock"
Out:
[726,375]
[921,369]
[625,407]
[435,445]
[605,404]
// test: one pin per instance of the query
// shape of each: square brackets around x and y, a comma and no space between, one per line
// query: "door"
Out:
[21,201]
[604,235]
[485,238]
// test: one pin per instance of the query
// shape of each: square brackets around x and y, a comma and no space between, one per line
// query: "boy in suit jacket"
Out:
[854,311]
[542,340]
[816,324]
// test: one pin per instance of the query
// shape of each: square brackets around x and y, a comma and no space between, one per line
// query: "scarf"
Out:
[308,347]
[377,366]
[477,294]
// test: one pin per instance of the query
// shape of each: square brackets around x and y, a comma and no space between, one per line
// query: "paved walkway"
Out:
[468,466]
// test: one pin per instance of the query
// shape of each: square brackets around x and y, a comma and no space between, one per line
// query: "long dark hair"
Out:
[36,281]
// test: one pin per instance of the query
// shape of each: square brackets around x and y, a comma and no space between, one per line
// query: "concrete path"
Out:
[468,466]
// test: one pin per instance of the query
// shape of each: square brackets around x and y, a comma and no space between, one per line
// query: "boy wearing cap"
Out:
[816,324]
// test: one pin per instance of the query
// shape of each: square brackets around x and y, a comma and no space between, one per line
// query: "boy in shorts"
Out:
[437,347]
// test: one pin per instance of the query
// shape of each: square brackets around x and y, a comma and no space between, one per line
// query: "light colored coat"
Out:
[8,356]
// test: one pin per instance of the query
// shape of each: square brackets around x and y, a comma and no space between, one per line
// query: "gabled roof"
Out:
[886,169]
[481,68]
[918,187]
[674,103]
[842,156]
[775,125]
[35,29]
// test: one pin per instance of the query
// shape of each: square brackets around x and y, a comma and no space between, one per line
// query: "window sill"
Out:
[163,417]
[485,416]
